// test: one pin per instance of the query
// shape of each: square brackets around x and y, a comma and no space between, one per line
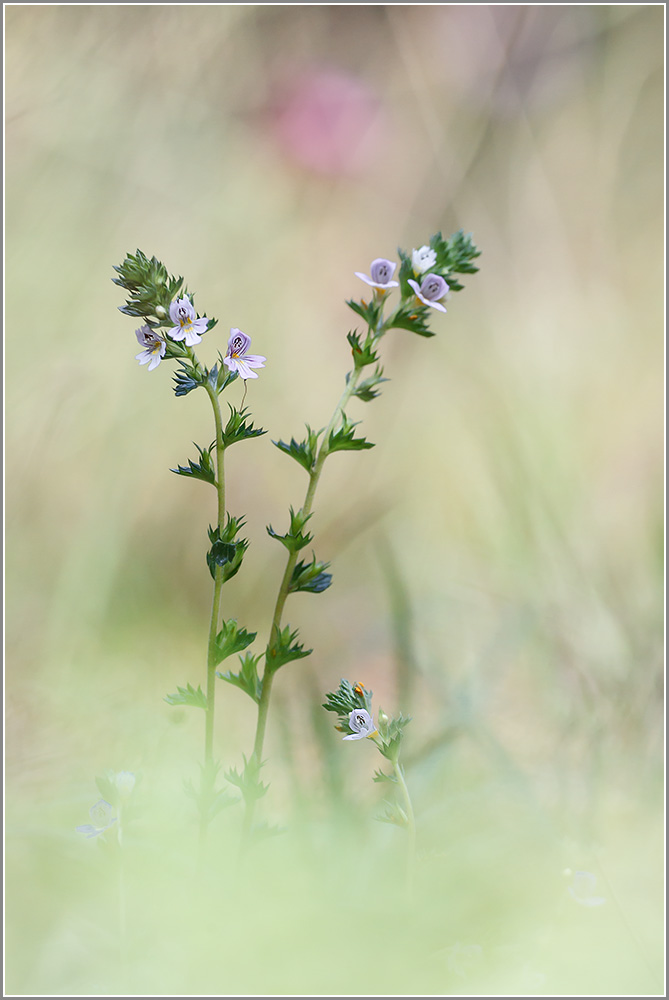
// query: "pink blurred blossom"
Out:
[329,121]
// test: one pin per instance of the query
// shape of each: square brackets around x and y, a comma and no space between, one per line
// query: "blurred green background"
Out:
[497,557]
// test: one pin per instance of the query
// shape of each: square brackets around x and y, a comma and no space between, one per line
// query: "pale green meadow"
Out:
[497,557]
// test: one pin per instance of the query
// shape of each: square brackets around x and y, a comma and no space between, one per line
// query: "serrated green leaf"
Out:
[247,678]
[310,577]
[411,316]
[204,469]
[283,648]
[366,390]
[380,776]
[227,552]
[370,311]
[294,539]
[344,439]
[346,699]
[188,696]
[238,427]
[394,814]
[186,378]
[230,640]
[363,353]
[248,779]
[303,452]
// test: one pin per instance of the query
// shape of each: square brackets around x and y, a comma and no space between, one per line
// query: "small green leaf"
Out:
[186,378]
[310,577]
[411,316]
[391,733]
[204,469]
[248,780]
[366,390]
[346,699]
[231,639]
[283,648]
[247,678]
[370,311]
[379,776]
[188,696]
[303,452]
[394,814]
[344,439]
[226,552]
[363,354]
[294,539]
[238,427]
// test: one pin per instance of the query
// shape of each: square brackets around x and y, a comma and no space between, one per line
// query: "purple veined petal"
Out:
[255,360]
[434,287]
[356,736]
[200,325]
[364,277]
[382,271]
[144,336]
[244,369]
[143,357]
[155,361]
[174,316]
[436,305]
[176,333]
[230,362]
[414,285]
[192,337]
[238,342]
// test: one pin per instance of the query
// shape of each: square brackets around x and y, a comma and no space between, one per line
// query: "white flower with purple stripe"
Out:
[154,347]
[186,326]
[431,290]
[422,260]
[362,724]
[237,359]
[381,271]
[102,816]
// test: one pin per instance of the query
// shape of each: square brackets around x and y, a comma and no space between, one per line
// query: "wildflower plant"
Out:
[171,329]
[352,704]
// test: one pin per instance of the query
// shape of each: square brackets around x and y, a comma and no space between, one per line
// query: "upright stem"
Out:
[268,675]
[411,824]
[284,588]
[208,776]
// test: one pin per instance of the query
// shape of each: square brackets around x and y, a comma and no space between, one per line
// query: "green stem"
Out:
[284,588]
[208,776]
[411,824]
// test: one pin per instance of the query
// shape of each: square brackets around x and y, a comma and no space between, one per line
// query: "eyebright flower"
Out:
[432,289]
[237,359]
[154,347]
[423,259]
[382,271]
[582,888]
[101,814]
[362,724]
[186,327]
